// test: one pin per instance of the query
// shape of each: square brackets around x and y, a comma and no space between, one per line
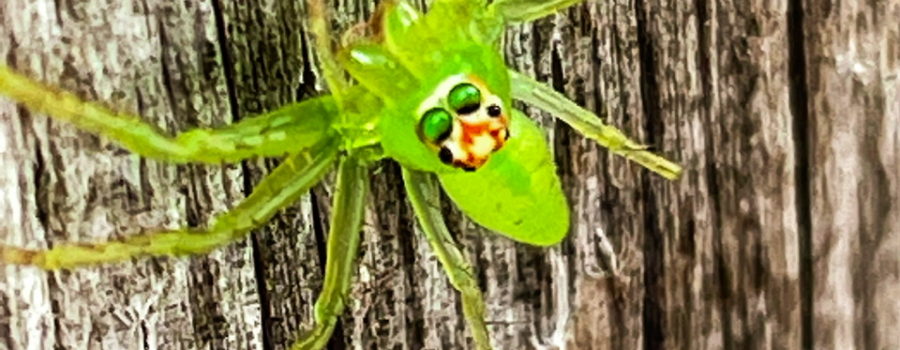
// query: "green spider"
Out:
[430,91]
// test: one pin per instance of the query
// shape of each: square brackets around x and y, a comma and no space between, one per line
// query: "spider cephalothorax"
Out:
[442,79]
[463,122]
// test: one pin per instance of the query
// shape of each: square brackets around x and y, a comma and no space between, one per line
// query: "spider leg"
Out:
[342,246]
[529,10]
[422,190]
[320,29]
[541,96]
[286,183]
[287,130]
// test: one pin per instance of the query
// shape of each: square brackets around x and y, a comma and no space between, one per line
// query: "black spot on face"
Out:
[446,155]
[494,111]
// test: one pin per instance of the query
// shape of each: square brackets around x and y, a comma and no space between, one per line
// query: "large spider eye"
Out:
[436,125]
[464,98]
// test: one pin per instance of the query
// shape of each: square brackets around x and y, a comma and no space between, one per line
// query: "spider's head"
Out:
[443,82]
[463,122]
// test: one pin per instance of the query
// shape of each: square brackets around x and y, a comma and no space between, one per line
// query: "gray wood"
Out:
[725,253]
[159,60]
[853,65]
[783,233]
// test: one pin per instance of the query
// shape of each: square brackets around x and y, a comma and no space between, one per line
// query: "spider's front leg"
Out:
[423,193]
[287,130]
[543,97]
[529,10]
[294,177]
[348,205]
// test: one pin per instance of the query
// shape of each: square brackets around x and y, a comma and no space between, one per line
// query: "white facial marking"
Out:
[482,145]
[476,135]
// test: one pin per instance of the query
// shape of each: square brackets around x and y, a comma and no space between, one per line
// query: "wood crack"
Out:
[653,314]
[799,105]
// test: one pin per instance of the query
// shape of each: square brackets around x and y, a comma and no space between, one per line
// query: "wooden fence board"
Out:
[783,233]
[853,65]
[158,60]
[729,261]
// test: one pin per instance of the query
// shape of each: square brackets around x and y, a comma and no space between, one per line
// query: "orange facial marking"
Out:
[472,130]
[478,133]
[499,138]
[480,139]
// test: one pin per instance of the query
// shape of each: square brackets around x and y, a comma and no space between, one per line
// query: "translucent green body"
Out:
[405,66]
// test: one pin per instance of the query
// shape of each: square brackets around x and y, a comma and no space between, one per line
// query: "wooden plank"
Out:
[160,60]
[592,56]
[250,58]
[711,261]
[852,67]
[269,62]
[729,231]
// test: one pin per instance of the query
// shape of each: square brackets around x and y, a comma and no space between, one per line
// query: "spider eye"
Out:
[436,125]
[464,98]
[494,111]
[446,155]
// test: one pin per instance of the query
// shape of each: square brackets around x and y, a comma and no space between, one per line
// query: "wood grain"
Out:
[783,233]
[853,68]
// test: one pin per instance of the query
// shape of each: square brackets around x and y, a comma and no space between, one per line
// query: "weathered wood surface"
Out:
[784,232]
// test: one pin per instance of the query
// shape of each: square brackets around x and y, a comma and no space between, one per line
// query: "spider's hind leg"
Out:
[285,184]
[342,247]
[423,194]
